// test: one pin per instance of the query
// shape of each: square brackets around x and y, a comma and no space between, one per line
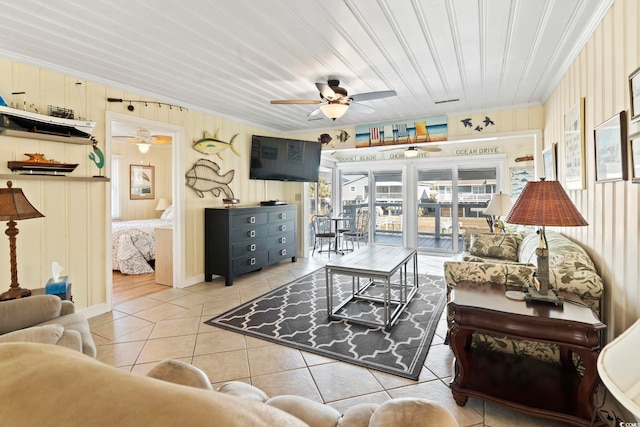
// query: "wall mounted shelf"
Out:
[46,137]
[55,177]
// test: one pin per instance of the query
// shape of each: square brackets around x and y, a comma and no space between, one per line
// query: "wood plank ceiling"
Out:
[230,58]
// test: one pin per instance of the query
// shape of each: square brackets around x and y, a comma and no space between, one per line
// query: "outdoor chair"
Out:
[360,232]
[321,232]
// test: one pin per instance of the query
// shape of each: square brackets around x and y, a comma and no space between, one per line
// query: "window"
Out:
[116,210]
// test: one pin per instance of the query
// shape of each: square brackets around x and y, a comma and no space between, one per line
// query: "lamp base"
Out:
[550,297]
[14,293]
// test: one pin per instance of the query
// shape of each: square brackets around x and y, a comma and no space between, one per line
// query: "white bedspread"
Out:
[133,244]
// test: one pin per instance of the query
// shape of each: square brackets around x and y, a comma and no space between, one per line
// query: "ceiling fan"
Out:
[144,139]
[413,150]
[336,101]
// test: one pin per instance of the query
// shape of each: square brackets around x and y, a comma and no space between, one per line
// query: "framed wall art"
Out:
[610,141]
[549,162]
[635,157]
[142,182]
[634,93]
[518,178]
[574,147]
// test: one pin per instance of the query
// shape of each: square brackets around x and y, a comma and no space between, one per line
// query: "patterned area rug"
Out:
[295,315]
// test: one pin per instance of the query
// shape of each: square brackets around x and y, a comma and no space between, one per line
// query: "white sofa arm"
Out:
[30,311]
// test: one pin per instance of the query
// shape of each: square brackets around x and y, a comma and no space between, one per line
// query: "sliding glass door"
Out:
[387,208]
[436,223]
[424,204]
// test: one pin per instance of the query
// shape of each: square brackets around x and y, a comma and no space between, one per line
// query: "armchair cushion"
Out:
[48,334]
[25,312]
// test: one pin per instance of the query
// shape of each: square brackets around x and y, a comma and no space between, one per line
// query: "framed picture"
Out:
[574,147]
[635,157]
[518,178]
[550,163]
[634,93]
[610,140]
[142,182]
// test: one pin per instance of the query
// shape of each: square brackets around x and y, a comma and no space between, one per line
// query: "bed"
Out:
[133,244]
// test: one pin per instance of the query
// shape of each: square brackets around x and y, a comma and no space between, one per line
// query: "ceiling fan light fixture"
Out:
[334,111]
[144,147]
[411,152]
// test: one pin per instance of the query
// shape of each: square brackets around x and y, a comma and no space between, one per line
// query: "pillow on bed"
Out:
[168,213]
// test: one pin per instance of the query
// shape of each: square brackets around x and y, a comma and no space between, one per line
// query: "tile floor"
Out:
[170,324]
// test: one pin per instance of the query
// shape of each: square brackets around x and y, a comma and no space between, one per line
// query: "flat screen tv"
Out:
[282,159]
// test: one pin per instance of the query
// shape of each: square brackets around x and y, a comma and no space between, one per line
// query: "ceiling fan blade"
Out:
[162,139]
[431,148]
[297,101]
[326,91]
[315,115]
[123,137]
[361,108]
[367,96]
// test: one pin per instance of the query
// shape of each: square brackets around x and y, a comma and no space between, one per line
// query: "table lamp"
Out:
[162,205]
[544,203]
[14,206]
[500,205]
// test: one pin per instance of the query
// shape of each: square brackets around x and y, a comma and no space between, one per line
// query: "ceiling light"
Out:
[411,152]
[143,147]
[334,111]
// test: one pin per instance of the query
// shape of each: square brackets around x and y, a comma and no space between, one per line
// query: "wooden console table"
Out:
[549,390]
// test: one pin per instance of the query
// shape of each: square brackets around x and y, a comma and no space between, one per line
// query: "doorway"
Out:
[137,285]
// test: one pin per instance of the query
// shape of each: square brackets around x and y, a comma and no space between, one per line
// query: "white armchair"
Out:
[45,319]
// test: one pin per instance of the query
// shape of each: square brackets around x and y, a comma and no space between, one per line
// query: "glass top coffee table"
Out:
[379,275]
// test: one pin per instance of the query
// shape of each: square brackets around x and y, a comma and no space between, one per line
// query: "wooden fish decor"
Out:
[204,177]
[212,144]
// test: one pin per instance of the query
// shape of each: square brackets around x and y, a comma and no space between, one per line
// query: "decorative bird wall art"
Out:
[486,122]
[212,144]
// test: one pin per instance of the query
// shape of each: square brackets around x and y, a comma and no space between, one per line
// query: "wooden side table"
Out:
[164,256]
[555,391]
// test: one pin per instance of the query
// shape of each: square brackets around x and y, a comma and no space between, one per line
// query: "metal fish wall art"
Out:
[343,136]
[204,177]
[212,144]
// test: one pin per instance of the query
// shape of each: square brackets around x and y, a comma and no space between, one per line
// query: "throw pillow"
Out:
[498,245]
[167,214]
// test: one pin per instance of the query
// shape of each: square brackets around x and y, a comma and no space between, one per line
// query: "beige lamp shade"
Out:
[499,205]
[162,205]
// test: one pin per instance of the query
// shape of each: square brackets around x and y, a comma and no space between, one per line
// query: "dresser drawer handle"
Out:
[252,247]
[283,215]
[252,233]
[283,228]
[283,240]
[252,220]
[283,252]
[252,261]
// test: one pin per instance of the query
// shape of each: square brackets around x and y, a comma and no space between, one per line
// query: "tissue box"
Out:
[61,287]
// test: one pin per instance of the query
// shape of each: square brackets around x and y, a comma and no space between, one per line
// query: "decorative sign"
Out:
[475,151]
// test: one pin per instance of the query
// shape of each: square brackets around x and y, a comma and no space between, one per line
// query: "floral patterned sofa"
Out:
[510,259]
